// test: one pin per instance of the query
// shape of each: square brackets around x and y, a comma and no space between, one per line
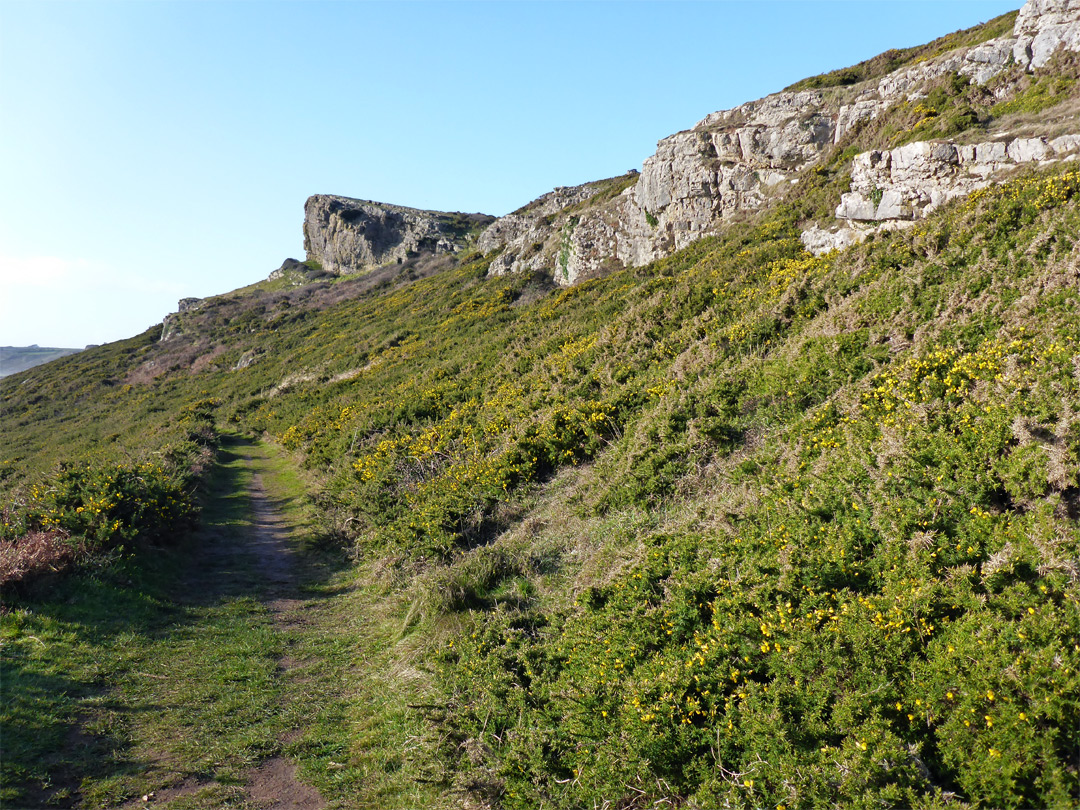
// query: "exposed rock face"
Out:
[731,162]
[909,182]
[894,188]
[354,236]
[246,359]
[818,240]
[1043,26]
[298,272]
[526,235]
[738,160]
[171,324]
[288,266]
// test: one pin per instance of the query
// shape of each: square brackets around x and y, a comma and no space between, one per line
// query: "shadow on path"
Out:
[96,659]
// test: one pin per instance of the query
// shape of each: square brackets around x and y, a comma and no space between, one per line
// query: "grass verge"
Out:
[170,673]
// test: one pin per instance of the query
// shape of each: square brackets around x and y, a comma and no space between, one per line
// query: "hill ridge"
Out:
[740,161]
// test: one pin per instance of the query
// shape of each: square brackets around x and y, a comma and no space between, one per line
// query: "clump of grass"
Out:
[1042,92]
[896,59]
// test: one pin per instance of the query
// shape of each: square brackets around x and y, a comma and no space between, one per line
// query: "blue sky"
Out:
[156,150]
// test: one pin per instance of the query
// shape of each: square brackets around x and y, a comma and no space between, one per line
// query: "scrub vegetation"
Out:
[743,527]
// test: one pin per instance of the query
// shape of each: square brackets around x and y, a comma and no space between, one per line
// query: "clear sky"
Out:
[156,150]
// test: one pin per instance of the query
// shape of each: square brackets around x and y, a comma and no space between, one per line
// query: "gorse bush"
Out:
[871,597]
[103,505]
[99,503]
[889,617]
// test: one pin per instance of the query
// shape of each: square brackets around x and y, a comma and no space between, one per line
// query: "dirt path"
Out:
[205,673]
[274,785]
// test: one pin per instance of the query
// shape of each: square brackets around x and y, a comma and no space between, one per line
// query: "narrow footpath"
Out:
[250,666]
[274,782]
[244,559]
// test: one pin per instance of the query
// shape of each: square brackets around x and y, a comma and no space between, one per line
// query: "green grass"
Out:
[161,669]
[742,527]
[359,661]
[897,59]
[1042,92]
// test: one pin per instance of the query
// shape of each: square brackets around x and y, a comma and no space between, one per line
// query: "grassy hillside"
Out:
[742,526]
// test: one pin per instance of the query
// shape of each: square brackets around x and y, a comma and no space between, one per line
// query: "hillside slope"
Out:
[722,522]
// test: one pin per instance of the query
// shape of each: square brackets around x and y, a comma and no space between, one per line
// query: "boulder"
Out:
[817,240]
[1027,150]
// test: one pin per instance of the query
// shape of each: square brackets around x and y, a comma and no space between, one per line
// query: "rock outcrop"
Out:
[730,163]
[289,266]
[909,182]
[347,236]
[1044,26]
[895,187]
[171,324]
[740,160]
[733,161]
[298,272]
[526,238]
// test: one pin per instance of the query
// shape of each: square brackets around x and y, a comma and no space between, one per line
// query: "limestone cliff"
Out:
[735,162]
[740,160]
[1043,27]
[347,236]
[911,181]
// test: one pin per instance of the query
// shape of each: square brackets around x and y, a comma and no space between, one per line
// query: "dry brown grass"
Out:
[34,555]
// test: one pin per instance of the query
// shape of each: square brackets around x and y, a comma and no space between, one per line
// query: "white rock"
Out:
[985,61]
[892,206]
[734,161]
[1065,144]
[990,152]
[1043,26]
[852,114]
[914,179]
[818,240]
[1026,150]
[853,205]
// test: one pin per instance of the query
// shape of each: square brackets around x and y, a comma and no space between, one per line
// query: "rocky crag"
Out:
[880,129]
[347,236]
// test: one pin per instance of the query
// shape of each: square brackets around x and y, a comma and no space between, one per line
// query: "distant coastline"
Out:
[14,359]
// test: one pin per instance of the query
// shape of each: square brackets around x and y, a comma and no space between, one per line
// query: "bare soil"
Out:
[273,784]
